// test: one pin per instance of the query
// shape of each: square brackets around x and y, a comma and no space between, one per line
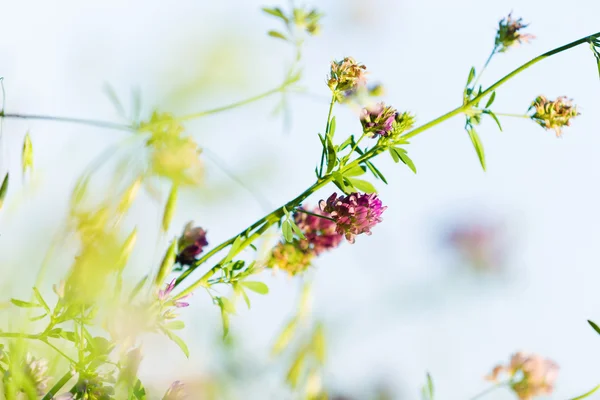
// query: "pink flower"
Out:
[378,119]
[191,244]
[320,233]
[164,294]
[354,214]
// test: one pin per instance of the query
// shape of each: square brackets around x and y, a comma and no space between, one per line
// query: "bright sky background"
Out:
[393,305]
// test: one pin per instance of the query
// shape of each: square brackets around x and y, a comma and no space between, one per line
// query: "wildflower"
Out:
[553,114]
[346,75]
[164,294]
[175,392]
[508,34]
[290,257]
[191,244]
[530,375]
[34,370]
[354,214]
[320,233]
[378,119]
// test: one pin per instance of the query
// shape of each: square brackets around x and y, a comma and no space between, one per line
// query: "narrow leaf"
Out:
[3,190]
[40,299]
[277,35]
[331,155]
[297,229]
[394,154]
[593,325]
[471,75]
[286,229]
[376,172]
[178,341]
[137,288]
[24,304]
[276,12]
[109,91]
[495,119]
[332,126]
[257,287]
[285,337]
[478,146]
[27,154]
[401,153]
[175,325]
[295,371]
[362,185]
[355,171]
[169,208]
[490,100]
[318,344]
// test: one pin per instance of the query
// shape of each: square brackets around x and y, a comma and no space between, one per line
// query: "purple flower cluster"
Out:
[378,119]
[354,214]
[320,233]
[191,244]
[163,295]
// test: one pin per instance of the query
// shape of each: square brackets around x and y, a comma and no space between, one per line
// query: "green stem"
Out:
[513,115]
[59,351]
[302,210]
[58,385]
[490,389]
[373,152]
[484,67]
[585,395]
[326,133]
[264,223]
[345,159]
[90,122]
[233,105]
[18,335]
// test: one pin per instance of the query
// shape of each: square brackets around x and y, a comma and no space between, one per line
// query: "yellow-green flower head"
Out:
[509,33]
[346,75]
[290,257]
[553,114]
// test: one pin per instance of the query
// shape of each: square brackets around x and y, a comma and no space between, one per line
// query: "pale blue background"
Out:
[393,309]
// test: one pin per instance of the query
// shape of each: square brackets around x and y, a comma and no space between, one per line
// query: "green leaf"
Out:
[355,171]
[402,156]
[276,12]
[277,35]
[226,305]
[339,181]
[331,155]
[490,100]
[295,371]
[109,91]
[332,126]
[362,185]
[471,76]
[3,190]
[233,250]
[588,394]
[286,229]
[595,44]
[297,229]
[478,146]
[495,119]
[257,287]
[225,320]
[376,172]
[138,391]
[178,341]
[593,325]
[318,344]
[40,299]
[394,154]
[175,325]
[24,304]
[285,337]
[137,288]
[38,317]
[246,298]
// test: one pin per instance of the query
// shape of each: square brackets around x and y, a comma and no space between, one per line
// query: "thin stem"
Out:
[373,152]
[59,351]
[90,122]
[18,335]
[345,159]
[513,115]
[302,210]
[327,126]
[490,389]
[233,105]
[58,385]
[484,67]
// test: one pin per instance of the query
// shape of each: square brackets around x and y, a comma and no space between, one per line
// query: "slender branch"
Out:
[90,122]
[492,54]
[585,395]
[58,385]
[18,335]
[373,152]
[234,105]
[59,351]
[490,389]
[302,210]
[513,115]
[327,126]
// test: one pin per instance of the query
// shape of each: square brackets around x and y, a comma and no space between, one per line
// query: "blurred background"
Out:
[468,266]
